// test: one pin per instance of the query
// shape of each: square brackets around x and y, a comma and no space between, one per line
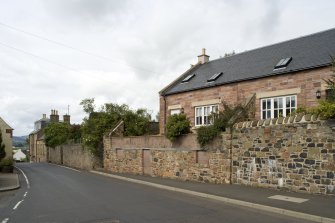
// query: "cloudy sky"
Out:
[54,53]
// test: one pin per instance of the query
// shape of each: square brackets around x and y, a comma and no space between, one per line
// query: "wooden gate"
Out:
[147,162]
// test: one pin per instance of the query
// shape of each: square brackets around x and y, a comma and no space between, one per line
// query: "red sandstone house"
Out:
[281,77]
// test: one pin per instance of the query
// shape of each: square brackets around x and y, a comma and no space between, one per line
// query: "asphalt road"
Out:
[59,194]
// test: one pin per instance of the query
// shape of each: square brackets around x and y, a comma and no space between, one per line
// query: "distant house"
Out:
[37,149]
[7,135]
[278,79]
[19,155]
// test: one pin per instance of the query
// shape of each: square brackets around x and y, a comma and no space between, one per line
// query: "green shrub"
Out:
[325,109]
[7,162]
[177,125]
[331,84]
[301,110]
[56,134]
[206,134]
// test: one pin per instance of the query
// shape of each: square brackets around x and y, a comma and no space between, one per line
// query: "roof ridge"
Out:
[273,44]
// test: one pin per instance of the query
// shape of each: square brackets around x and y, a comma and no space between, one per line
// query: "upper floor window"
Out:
[278,106]
[203,113]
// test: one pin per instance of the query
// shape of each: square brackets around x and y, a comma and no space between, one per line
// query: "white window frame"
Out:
[202,113]
[272,111]
[176,111]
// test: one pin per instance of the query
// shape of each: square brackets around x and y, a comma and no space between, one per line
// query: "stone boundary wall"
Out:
[185,142]
[294,153]
[182,159]
[209,167]
[55,155]
[73,155]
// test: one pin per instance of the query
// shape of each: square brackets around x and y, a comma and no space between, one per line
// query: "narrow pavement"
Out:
[318,205]
[59,194]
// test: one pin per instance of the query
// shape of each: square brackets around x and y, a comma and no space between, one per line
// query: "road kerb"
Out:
[286,212]
[14,187]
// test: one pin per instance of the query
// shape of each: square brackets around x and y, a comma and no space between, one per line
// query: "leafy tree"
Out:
[2,147]
[75,133]
[56,134]
[136,123]
[98,123]
[224,119]
[177,125]
[88,105]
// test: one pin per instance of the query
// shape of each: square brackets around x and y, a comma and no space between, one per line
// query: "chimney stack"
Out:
[44,116]
[54,117]
[203,58]
[66,118]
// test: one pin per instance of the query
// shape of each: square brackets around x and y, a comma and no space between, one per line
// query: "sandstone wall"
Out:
[298,156]
[73,155]
[294,153]
[55,155]
[210,167]
[179,160]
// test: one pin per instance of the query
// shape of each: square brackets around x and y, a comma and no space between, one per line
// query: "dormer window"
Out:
[188,78]
[214,77]
[283,63]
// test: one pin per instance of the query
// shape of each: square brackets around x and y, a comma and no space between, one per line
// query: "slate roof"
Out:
[307,52]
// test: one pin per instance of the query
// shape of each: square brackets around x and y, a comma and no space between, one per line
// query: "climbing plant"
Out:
[224,119]
[2,147]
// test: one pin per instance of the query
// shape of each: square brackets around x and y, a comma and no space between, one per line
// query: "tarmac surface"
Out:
[52,193]
[317,208]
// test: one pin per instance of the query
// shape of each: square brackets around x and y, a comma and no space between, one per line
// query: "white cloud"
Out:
[144,44]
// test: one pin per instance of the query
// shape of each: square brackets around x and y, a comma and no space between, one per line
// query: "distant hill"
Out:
[20,141]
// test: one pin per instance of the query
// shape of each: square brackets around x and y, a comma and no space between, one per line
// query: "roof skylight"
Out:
[188,78]
[214,77]
[283,63]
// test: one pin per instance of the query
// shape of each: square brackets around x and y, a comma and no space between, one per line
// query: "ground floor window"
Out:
[175,111]
[203,113]
[278,106]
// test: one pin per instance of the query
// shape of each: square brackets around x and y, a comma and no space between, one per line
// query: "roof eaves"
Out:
[179,78]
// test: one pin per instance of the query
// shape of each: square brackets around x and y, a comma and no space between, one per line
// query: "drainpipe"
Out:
[164,98]
[36,150]
[231,156]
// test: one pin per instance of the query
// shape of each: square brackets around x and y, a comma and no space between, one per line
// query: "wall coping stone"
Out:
[162,149]
[299,118]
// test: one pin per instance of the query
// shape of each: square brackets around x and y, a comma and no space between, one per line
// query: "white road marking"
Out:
[28,185]
[5,220]
[66,167]
[17,205]
[25,194]
[287,198]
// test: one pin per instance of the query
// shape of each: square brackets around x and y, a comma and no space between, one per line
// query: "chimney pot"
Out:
[203,58]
